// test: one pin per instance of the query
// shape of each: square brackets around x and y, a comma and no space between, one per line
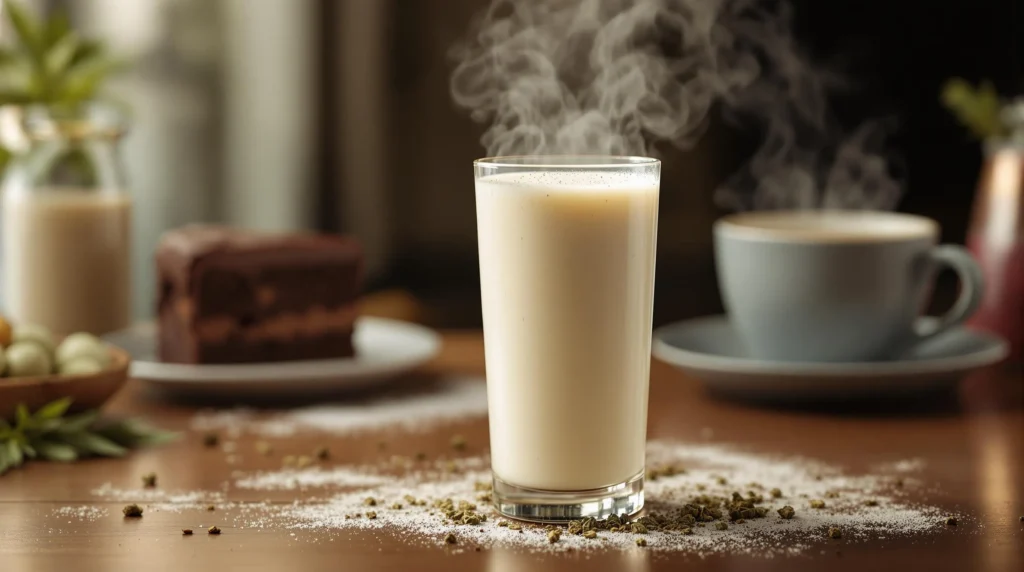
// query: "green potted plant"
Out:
[46,63]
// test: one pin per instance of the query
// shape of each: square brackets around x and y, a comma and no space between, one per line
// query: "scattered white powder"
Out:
[864,507]
[87,513]
[450,401]
[903,466]
[294,479]
[158,499]
[800,479]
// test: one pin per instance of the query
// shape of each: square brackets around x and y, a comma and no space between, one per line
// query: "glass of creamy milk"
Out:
[567,252]
[66,220]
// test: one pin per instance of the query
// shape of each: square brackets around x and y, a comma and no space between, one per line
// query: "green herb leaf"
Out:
[5,463]
[7,56]
[14,453]
[79,422]
[133,433]
[978,108]
[26,27]
[53,410]
[59,56]
[22,417]
[28,450]
[56,451]
[48,435]
[95,444]
[57,28]
[83,81]
[86,52]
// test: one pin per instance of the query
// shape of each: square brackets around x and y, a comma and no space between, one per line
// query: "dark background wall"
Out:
[898,53]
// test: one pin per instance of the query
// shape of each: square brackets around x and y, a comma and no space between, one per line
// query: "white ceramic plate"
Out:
[384,349]
[709,350]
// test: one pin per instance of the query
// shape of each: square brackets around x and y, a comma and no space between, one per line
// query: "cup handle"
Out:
[972,285]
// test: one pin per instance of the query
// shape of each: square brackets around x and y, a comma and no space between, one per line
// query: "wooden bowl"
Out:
[88,391]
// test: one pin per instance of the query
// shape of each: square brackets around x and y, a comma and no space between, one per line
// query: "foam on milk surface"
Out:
[574,181]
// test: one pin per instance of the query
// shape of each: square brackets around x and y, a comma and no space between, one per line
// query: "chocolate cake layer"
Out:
[235,296]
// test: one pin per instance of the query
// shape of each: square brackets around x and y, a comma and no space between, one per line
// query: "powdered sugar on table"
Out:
[452,400]
[861,506]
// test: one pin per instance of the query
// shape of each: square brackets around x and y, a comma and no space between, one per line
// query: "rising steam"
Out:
[619,76]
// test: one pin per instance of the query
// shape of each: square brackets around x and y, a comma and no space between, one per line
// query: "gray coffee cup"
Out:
[836,285]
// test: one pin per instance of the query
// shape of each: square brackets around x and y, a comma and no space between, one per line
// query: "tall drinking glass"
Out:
[567,249]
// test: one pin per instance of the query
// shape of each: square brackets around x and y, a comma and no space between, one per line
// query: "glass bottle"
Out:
[66,219]
[996,233]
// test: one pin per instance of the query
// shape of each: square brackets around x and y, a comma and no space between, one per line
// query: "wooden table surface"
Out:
[972,447]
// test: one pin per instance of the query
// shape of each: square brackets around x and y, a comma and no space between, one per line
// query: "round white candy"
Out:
[82,345]
[27,358]
[80,366]
[36,334]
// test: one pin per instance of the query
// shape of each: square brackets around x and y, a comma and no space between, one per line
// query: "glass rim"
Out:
[583,161]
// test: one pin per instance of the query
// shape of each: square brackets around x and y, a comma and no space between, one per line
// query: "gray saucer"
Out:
[709,350]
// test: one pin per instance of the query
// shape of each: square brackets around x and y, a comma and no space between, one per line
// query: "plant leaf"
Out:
[86,52]
[58,57]
[53,410]
[133,433]
[56,451]
[28,450]
[82,81]
[14,453]
[5,463]
[95,444]
[27,28]
[79,422]
[978,109]
[57,27]
[22,416]
[7,56]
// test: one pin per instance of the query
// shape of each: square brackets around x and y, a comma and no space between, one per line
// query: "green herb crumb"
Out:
[835,533]
[817,503]
[213,530]
[641,542]
[458,442]
[132,511]
[786,512]
[149,480]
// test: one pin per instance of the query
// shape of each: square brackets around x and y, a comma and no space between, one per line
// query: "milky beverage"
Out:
[66,259]
[567,276]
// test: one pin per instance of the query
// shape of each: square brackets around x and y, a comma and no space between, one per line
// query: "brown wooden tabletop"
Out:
[970,447]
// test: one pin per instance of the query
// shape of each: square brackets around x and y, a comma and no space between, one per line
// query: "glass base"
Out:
[626,498]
